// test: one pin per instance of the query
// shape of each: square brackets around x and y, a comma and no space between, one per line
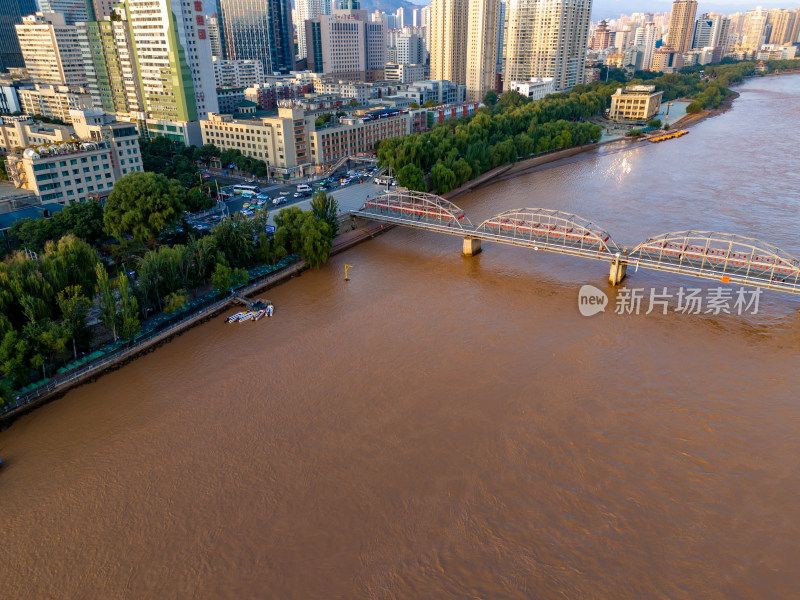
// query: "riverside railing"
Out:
[154,327]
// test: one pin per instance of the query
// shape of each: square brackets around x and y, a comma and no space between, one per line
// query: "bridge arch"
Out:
[418,206]
[721,254]
[550,228]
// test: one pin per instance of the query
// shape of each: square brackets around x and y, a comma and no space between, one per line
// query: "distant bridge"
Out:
[723,257]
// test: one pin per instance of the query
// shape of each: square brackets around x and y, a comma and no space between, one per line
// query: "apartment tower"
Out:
[464,43]
[547,38]
[306,10]
[681,25]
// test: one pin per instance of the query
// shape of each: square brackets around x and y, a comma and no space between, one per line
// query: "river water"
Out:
[445,427]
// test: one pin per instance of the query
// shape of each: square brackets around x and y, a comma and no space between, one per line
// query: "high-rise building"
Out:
[464,44]
[448,34]
[11,13]
[50,49]
[410,49]
[645,40]
[216,35]
[74,11]
[425,18]
[782,23]
[754,29]
[547,38]
[501,33]
[348,44]
[308,9]
[681,25]
[602,37]
[259,30]
[481,48]
[110,65]
[173,59]
[795,35]
[401,18]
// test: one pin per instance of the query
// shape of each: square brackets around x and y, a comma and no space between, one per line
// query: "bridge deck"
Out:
[720,257]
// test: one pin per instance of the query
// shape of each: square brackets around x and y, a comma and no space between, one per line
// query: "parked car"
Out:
[284,193]
[279,200]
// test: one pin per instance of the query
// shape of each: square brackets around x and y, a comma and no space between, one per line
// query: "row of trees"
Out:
[511,128]
[46,296]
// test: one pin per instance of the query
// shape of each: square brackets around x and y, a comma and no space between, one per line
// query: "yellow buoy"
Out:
[346,278]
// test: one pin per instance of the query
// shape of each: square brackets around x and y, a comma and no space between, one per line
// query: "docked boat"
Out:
[248,316]
[260,314]
[668,136]
[234,318]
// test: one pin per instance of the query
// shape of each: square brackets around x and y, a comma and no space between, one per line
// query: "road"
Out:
[349,197]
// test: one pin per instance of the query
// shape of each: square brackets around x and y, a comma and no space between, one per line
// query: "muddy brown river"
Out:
[449,427]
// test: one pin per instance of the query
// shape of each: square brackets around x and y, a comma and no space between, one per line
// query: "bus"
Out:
[242,187]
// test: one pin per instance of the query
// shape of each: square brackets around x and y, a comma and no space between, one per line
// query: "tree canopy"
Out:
[143,205]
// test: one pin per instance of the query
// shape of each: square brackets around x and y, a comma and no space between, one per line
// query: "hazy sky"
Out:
[612,8]
[606,9]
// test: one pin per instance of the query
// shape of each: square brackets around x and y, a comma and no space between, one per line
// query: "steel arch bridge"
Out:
[724,257]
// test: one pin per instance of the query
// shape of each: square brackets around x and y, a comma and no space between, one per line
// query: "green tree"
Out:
[443,179]
[694,108]
[197,200]
[654,123]
[107,300]
[225,279]
[412,177]
[316,241]
[490,98]
[324,206]
[413,105]
[429,104]
[128,316]
[14,352]
[175,301]
[74,308]
[143,205]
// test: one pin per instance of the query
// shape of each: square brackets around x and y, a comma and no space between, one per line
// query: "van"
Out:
[303,188]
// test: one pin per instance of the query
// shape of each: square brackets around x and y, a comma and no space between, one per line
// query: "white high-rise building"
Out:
[754,29]
[175,66]
[646,38]
[308,9]
[547,38]
[350,44]
[51,50]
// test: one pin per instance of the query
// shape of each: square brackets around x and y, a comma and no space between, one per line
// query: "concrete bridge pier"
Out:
[472,246]
[619,268]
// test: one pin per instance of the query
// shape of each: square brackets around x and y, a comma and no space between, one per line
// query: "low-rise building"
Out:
[440,114]
[268,95]
[635,103]
[535,89]
[667,61]
[237,73]
[53,101]
[403,73]
[228,98]
[282,142]
[439,91]
[359,135]
[71,164]
[22,131]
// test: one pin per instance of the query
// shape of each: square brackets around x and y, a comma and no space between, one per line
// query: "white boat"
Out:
[260,314]
[234,318]
[248,316]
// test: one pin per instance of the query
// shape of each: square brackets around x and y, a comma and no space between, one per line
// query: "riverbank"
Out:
[91,371]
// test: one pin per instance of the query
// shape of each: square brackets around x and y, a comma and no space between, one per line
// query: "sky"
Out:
[609,9]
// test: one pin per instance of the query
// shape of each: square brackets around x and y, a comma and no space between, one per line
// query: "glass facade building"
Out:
[11,13]
[259,30]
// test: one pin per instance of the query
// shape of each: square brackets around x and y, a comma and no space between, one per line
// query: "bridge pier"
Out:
[472,246]
[619,268]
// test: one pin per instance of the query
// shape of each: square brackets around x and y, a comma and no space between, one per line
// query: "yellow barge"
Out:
[668,136]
